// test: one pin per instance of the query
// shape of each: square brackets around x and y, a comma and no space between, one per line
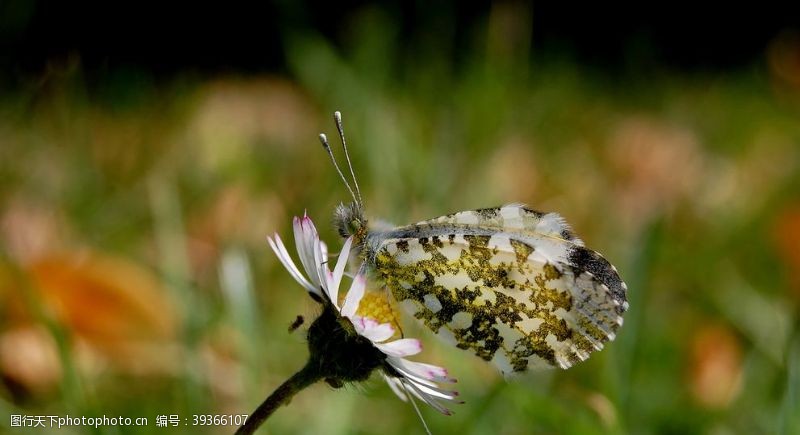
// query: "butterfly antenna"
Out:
[416,408]
[324,140]
[337,116]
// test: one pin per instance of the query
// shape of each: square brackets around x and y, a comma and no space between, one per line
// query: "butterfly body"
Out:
[512,285]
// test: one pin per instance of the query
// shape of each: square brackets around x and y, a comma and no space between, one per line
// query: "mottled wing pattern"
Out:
[513,285]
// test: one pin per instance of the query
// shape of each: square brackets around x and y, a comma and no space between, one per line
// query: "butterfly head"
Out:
[350,221]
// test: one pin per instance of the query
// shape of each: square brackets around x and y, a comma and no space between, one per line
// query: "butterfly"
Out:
[512,285]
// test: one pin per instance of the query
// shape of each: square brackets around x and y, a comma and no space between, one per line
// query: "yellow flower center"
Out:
[377,305]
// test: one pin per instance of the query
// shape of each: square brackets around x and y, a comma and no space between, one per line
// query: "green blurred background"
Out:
[146,151]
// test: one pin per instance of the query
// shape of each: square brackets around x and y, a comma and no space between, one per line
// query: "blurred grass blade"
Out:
[170,237]
[789,420]
[236,282]
[763,320]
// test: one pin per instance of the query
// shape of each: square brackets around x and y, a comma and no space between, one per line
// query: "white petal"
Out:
[422,370]
[363,323]
[297,229]
[354,295]
[435,391]
[306,238]
[401,348]
[341,262]
[326,278]
[426,398]
[394,362]
[324,249]
[320,264]
[397,387]
[283,255]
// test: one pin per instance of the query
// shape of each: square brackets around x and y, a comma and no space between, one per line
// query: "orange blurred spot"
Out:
[657,165]
[235,215]
[786,237]
[29,360]
[716,366]
[116,316]
[103,299]
[29,229]
[513,170]
[116,313]
[233,115]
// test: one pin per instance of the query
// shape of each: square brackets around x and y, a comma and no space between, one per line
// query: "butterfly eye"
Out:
[354,226]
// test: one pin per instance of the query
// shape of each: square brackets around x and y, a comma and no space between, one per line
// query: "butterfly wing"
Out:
[512,285]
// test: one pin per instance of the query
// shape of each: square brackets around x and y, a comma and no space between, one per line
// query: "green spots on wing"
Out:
[557,326]
[431,246]
[545,294]
[531,345]
[477,241]
[521,251]
[506,308]
[592,330]
[468,295]
[478,248]
[499,296]
[550,272]
[481,336]
[583,343]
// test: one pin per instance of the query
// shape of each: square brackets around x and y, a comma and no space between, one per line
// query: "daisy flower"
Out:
[348,346]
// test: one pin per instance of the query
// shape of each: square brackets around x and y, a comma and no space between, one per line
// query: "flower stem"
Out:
[281,396]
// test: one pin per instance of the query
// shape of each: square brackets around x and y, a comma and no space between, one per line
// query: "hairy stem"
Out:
[281,396]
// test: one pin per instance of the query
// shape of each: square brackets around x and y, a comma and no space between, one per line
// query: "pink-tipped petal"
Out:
[306,240]
[354,295]
[421,370]
[331,291]
[411,377]
[426,398]
[435,391]
[308,224]
[364,323]
[401,348]
[374,331]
